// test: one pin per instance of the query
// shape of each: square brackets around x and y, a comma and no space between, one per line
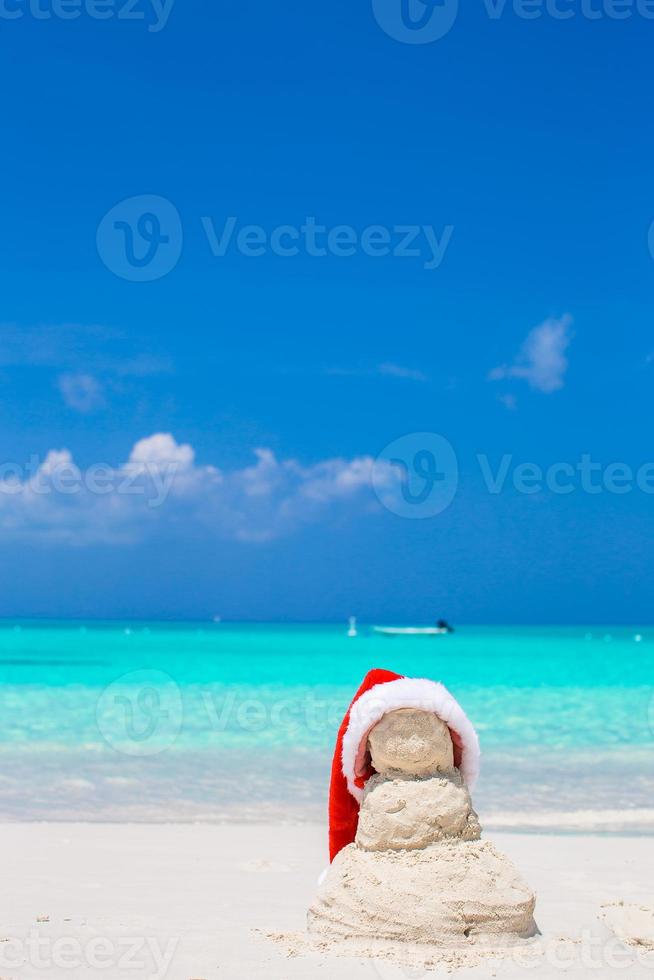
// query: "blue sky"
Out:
[523,146]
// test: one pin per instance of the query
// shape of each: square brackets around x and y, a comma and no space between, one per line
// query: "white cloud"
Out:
[398,371]
[81,392]
[509,401]
[160,451]
[541,360]
[162,485]
[77,348]
[386,370]
[56,461]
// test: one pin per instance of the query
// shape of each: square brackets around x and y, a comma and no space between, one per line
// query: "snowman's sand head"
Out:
[412,741]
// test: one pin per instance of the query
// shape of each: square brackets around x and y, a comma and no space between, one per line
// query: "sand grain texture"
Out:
[633,924]
[418,872]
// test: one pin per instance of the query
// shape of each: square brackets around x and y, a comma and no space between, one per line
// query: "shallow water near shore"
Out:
[223,722]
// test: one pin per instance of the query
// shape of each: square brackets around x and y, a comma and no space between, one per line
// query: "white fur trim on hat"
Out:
[407,692]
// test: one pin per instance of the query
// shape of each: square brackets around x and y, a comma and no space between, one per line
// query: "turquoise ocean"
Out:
[222,722]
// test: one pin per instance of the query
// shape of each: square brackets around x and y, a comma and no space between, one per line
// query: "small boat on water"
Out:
[352,626]
[442,628]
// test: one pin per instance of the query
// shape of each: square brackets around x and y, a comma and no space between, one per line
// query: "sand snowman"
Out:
[408,863]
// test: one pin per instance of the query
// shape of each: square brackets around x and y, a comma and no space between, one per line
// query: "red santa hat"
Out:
[383,691]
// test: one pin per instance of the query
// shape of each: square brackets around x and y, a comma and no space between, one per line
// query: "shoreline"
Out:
[582,823]
[492,832]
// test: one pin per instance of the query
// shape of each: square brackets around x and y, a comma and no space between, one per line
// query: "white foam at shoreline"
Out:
[613,820]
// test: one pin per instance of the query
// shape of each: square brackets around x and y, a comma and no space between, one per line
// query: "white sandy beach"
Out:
[186,902]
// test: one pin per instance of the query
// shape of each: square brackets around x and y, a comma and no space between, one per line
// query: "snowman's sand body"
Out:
[418,870]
